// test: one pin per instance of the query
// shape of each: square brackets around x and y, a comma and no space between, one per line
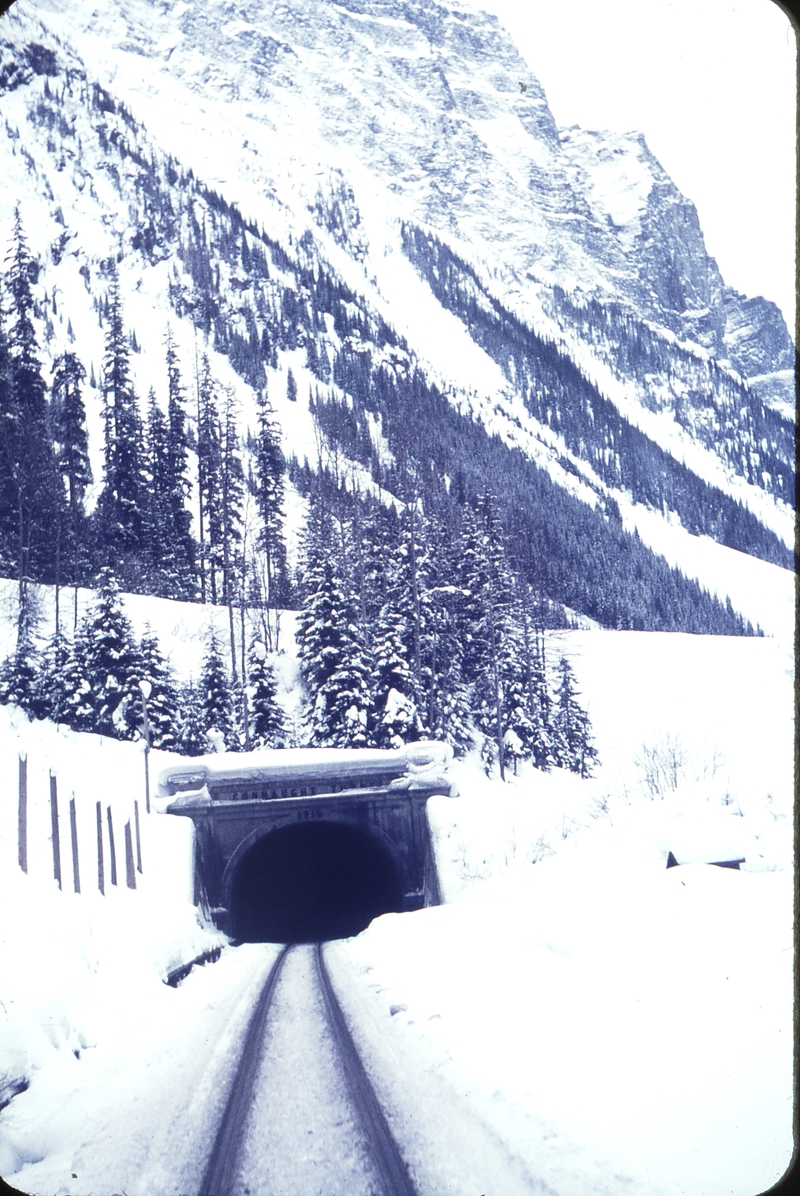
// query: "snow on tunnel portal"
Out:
[304,844]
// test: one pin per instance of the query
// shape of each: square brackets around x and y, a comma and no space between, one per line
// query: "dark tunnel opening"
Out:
[312,881]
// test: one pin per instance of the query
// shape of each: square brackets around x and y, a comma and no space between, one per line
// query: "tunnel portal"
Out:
[297,845]
[312,881]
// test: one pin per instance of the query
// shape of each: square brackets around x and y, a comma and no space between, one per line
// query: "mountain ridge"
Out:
[707,412]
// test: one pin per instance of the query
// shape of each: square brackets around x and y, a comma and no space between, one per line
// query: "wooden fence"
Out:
[106,838]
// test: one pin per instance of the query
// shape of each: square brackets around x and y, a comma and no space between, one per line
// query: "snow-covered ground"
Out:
[576,1008]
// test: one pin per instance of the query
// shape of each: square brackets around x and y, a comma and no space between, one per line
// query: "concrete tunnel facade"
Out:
[300,845]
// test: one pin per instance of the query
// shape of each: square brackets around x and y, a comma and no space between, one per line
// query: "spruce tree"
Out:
[122,502]
[72,449]
[217,699]
[8,459]
[159,487]
[334,662]
[267,720]
[181,558]
[233,570]
[268,488]
[19,676]
[51,689]
[191,732]
[231,497]
[395,715]
[29,452]
[491,635]
[111,663]
[209,469]
[574,748]
[162,704]
[78,696]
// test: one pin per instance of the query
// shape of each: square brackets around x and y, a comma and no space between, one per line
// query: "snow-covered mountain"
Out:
[383,180]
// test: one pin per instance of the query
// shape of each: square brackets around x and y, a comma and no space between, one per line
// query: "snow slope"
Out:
[601,1021]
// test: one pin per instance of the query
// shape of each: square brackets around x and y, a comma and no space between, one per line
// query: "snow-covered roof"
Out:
[273,765]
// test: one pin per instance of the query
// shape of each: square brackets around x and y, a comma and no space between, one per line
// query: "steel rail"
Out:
[220,1170]
[386,1156]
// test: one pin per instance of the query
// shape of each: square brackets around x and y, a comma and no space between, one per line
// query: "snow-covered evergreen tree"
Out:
[269,469]
[120,510]
[191,732]
[51,688]
[538,703]
[162,704]
[72,451]
[29,458]
[334,662]
[216,698]
[209,469]
[395,716]
[79,707]
[231,497]
[267,720]
[19,676]
[180,560]
[8,481]
[111,663]
[158,494]
[491,638]
[572,731]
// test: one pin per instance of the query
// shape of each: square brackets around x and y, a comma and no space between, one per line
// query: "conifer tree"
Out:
[79,706]
[181,561]
[72,450]
[52,694]
[217,699]
[267,720]
[269,492]
[231,498]
[158,494]
[31,481]
[8,464]
[334,662]
[19,676]
[209,468]
[573,740]
[111,663]
[395,715]
[538,703]
[162,704]
[122,500]
[490,631]
[191,733]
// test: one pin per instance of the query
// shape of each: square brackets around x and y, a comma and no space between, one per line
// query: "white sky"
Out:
[711,84]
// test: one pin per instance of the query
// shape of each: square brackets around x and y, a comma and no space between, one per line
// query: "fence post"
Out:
[101,871]
[138,837]
[112,851]
[22,820]
[73,827]
[130,872]
[54,825]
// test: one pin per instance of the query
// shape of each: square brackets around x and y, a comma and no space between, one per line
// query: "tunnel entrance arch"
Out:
[376,798]
[310,881]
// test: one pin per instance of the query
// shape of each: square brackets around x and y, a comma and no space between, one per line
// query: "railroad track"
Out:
[262,1135]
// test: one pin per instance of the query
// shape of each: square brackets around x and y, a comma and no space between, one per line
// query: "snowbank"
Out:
[616,1024]
[578,1011]
[74,964]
